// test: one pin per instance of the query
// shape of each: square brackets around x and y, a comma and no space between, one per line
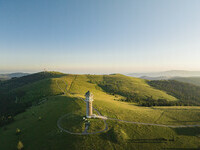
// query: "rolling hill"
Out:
[128,87]
[19,93]
[55,95]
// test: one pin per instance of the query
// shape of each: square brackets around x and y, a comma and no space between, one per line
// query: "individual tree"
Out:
[39,118]
[18,131]
[20,145]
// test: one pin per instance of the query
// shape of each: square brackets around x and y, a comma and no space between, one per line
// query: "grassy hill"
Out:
[19,93]
[38,124]
[128,87]
[19,82]
[191,80]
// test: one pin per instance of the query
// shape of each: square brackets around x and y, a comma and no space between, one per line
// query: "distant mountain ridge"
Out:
[156,78]
[191,80]
[12,75]
[167,74]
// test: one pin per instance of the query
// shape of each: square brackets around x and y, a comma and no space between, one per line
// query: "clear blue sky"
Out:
[99,36]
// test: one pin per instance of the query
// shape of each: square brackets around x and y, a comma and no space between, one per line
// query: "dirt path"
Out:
[153,124]
[72,83]
[60,87]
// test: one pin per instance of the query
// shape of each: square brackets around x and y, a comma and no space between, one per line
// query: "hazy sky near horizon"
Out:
[99,36]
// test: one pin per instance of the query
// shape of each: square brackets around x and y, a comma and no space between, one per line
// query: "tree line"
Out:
[188,94]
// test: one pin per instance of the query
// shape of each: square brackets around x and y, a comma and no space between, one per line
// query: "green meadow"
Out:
[38,124]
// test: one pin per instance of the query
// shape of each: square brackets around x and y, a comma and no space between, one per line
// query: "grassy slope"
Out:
[123,84]
[33,86]
[120,110]
[38,90]
[45,135]
[29,79]
[18,94]
[192,80]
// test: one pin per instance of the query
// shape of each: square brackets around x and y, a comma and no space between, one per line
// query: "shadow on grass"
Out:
[156,140]
[73,122]
[110,135]
[72,103]
[188,131]
[115,137]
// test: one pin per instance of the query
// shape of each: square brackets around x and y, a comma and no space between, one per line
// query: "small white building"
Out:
[89,100]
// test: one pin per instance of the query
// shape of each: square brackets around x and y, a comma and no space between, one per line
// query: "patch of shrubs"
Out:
[163,102]
[149,101]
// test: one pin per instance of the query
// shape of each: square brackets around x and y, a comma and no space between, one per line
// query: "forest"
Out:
[188,94]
